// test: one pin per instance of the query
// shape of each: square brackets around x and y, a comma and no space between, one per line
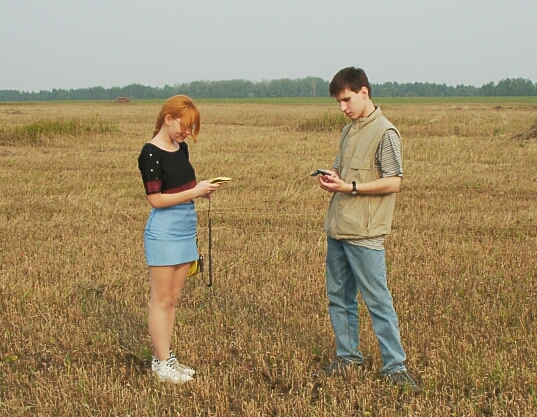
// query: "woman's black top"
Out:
[164,171]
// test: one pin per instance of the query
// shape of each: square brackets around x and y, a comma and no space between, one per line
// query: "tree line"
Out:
[304,87]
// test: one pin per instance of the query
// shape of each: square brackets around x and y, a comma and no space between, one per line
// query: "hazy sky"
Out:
[67,44]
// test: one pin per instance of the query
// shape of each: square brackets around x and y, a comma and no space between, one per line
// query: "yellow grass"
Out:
[74,288]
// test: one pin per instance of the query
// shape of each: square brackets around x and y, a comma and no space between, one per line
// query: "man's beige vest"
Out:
[360,216]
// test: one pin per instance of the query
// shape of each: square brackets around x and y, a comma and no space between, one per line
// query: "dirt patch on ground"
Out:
[531,133]
[122,100]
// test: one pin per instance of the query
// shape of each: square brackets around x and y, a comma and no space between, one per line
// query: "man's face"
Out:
[353,104]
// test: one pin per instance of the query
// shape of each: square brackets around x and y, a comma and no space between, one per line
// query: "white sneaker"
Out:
[174,363]
[165,372]
[185,369]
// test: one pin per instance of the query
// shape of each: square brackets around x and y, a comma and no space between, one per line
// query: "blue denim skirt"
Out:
[170,235]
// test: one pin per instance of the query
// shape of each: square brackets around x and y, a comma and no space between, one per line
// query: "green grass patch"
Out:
[325,122]
[33,132]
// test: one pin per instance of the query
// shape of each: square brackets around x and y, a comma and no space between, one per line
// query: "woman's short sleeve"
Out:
[150,165]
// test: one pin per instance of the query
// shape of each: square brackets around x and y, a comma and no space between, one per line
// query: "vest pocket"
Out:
[359,170]
[359,163]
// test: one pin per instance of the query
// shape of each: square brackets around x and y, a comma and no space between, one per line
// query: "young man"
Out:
[366,176]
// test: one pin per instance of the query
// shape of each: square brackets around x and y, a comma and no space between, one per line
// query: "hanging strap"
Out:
[210,283]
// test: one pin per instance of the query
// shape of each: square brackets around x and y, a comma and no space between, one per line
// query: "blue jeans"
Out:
[349,269]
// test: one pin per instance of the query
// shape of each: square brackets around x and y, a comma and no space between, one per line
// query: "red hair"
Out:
[180,107]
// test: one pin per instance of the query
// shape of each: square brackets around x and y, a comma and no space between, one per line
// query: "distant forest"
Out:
[305,87]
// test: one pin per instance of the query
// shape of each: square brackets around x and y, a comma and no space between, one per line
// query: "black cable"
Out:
[210,284]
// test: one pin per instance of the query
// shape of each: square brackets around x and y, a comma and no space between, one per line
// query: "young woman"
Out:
[170,233]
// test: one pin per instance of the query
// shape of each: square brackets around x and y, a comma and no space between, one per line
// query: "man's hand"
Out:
[333,184]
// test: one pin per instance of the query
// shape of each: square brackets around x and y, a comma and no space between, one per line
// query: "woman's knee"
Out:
[163,300]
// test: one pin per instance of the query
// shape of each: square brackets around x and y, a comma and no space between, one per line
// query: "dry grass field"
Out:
[74,288]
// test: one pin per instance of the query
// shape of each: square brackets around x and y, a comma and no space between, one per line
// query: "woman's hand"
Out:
[205,188]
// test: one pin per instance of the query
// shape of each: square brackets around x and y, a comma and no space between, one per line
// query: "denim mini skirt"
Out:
[170,235]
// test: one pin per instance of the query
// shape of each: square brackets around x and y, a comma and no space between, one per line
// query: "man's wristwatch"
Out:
[354,192]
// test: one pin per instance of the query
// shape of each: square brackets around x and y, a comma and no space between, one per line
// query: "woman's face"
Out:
[176,132]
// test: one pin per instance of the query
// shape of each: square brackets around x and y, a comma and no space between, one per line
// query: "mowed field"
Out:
[74,290]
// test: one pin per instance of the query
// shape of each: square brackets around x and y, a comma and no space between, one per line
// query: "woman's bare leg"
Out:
[177,286]
[166,283]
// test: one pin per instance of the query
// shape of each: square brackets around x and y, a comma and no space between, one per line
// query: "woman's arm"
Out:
[202,189]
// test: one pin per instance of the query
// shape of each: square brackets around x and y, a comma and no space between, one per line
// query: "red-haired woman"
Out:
[170,233]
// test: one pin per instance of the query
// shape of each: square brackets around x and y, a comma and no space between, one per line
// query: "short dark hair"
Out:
[352,78]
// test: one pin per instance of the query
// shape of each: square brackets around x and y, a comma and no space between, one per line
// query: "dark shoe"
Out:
[405,380]
[339,367]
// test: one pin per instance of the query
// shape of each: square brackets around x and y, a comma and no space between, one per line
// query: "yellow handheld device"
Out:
[219,180]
